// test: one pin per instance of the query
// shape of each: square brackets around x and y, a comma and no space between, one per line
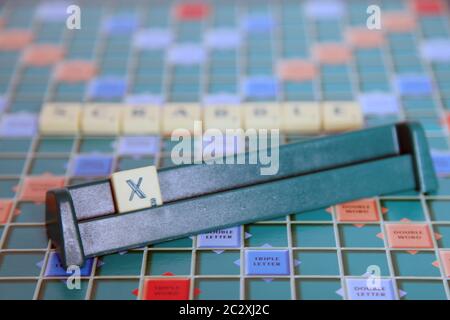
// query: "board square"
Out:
[358,211]
[34,188]
[414,235]
[166,289]
[267,262]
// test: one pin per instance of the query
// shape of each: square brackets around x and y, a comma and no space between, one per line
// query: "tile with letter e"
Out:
[361,289]
[305,117]
[166,289]
[141,119]
[341,116]
[409,235]
[267,262]
[262,116]
[224,238]
[101,119]
[222,117]
[56,269]
[180,116]
[136,189]
[58,118]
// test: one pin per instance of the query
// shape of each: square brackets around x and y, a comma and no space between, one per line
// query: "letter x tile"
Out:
[136,189]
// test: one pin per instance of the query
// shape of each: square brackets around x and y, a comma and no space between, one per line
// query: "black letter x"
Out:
[135,189]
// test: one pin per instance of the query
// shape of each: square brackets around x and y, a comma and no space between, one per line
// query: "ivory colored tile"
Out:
[301,117]
[262,116]
[60,118]
[360,210]
[445,259]
[409,235]
[34,188]
[342,116]
[5,209]
[180,116]
[136,189]
[99,119]
[222,117]
[141,119]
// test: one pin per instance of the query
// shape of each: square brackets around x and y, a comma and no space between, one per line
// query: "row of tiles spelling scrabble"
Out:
[114,119]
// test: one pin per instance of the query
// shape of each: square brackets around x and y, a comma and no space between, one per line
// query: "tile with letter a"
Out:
[60,118]
[136,189]
[262,116]
[140,119]
[101,119]
[302,117]
[342,116]
[180,116]
[222,117]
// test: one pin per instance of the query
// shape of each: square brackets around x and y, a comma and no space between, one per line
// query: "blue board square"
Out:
[107,88]
[225,238]
[267,262]
[92,166]
[258,23]
[56,269]
[414,85]
[260,87]
[363,289]
[120,24]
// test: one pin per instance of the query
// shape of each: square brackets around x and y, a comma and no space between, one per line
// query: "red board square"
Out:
[428,7]
[43,55]
[14,39]
[5,209]
[35,188]
[192,11]
[166,289]
[358,211]
[75,71]
[410,235]
[445,258]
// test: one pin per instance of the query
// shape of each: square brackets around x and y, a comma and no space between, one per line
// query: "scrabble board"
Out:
[227,53]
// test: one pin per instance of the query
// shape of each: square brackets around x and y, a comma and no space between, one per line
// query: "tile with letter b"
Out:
[141,119]
[222,117]
[101,119]
[262,116]
[342,116]
[136,189]
[60,118]
[180,116]
[301,117]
